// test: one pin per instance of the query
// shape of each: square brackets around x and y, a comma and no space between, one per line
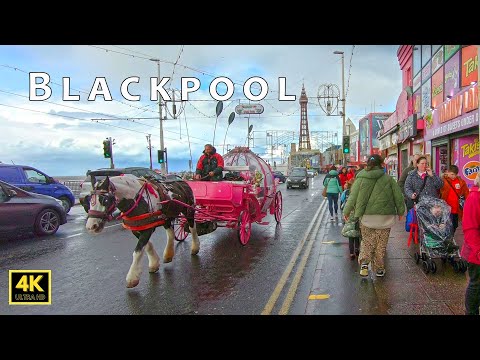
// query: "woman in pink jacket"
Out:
[471,247]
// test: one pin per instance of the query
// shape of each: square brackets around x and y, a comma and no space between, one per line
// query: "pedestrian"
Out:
[353,241]
[403,178]
[210,165]
[471,247]
[351,174]
[343,176]
[333,185]
[422,181]
[454,188]
[375,199]
[359,168]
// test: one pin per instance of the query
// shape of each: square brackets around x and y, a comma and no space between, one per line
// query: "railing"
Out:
[75,186]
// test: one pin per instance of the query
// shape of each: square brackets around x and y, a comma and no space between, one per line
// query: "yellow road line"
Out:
[301,267]
[319,297]
[283,279]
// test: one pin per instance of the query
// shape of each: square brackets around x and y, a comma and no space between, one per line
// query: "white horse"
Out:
[144,207]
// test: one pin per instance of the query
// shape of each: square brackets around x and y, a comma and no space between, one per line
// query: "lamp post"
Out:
[343,99]
[160,114]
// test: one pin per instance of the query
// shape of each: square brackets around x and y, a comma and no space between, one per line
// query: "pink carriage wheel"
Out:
[179,229]
[278,206]
[245,227]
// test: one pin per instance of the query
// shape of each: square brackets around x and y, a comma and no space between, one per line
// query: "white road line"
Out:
[73,235]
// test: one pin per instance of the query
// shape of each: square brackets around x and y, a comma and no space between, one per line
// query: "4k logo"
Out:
[30,287]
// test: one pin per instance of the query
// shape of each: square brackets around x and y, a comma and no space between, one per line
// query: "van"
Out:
[30,179]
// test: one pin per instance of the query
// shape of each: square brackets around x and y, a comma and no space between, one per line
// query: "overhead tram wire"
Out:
[92,112]
[203,72]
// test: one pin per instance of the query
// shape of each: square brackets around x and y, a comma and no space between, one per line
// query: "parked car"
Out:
[23,211]
[97,175]
[298,178]
[280,176]
[311,173]
[33,180]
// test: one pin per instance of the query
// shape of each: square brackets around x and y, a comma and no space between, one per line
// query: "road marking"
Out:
[328,242]
[283,279]
[301,268]
[319,297]
[73,235]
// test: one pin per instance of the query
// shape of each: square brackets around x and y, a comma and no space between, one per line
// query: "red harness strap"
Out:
[129,222]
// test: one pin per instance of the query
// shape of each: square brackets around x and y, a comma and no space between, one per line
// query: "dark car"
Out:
[298,178]
[23,211]
[97,175]
[279,175]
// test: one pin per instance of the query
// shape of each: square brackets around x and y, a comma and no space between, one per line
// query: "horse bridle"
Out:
[106,199]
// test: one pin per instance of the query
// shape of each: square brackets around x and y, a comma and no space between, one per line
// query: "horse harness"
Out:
[150,219]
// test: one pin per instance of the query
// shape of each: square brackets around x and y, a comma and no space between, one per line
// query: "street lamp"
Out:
[160,114]
[343,97]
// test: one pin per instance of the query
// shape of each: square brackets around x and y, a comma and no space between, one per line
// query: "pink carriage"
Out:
[248,197]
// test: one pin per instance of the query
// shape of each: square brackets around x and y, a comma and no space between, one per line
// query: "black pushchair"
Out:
[435,231]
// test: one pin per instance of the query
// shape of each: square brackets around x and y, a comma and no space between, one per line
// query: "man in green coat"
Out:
[375,199]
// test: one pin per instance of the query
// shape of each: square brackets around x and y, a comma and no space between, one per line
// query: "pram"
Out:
[435,232]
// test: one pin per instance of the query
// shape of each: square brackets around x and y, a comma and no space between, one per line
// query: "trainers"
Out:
[331,218]
[364,270]
[380,272]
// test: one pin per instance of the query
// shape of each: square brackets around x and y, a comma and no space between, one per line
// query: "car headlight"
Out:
[303,180]
[288,180]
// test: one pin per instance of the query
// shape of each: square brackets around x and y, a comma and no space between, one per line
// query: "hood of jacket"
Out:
[214,151]
[333,173]
[371,174]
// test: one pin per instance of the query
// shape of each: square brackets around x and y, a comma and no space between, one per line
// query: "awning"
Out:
[391,131]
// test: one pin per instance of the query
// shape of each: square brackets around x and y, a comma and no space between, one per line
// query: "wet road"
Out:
[88,272]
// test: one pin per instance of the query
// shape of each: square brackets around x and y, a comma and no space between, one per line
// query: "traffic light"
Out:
[346,144]
[161,156]
[107,149]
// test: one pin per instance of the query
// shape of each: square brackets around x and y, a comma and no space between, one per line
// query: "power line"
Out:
[203,72]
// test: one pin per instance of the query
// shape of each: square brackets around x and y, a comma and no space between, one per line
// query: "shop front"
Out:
[410,139]
[452,134]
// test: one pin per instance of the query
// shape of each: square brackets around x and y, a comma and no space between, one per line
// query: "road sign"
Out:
[247,109]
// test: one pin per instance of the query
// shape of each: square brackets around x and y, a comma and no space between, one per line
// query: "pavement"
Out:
[404,290]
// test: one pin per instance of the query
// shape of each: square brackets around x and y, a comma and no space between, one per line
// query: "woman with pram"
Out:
[422,181]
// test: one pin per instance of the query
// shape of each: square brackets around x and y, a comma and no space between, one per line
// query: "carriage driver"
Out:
[210,165]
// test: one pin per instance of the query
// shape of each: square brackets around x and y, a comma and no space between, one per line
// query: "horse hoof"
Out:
[195,251]
[167,260]
[132,283]
[154,269]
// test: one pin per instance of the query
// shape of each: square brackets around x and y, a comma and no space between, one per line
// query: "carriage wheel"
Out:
[179,229]
[278,206]
[245,227]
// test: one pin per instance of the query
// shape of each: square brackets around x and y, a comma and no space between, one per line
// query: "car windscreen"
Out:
[298,173]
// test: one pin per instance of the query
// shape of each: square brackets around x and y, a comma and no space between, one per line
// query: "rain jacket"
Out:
[374,193]
[446,189]
[332,182]
[213,162]
[414,183]
[471,227]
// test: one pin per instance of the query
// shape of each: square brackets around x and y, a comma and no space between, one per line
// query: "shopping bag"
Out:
[410,219]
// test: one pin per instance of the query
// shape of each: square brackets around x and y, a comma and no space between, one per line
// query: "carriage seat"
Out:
[233,172]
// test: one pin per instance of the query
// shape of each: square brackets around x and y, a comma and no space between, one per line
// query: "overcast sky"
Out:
[60,138]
